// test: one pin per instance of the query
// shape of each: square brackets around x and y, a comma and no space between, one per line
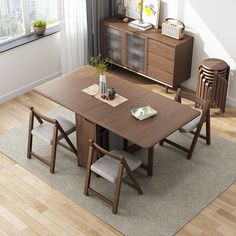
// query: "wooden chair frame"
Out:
[123,165]
[205,118]
[133,148]
[57,127]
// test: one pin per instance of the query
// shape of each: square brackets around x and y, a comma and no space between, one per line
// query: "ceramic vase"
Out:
[102,84]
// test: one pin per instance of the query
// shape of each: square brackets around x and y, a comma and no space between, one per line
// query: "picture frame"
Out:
[151,11]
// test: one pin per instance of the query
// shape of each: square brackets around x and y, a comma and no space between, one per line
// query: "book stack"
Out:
[140,25]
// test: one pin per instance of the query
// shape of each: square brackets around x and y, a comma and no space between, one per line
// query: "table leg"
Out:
[150,160]
[125,144]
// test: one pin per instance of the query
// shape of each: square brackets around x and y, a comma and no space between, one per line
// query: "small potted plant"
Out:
[40,27]
[100,64]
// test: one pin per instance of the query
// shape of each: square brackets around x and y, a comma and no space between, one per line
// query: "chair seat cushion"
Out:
[190,126]
[107,167]
[45,130]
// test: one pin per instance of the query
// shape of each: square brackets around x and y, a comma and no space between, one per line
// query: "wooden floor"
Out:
[29,206]
[219,218]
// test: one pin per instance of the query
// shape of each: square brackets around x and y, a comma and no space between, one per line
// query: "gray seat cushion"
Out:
[45,130]
[190,126]
[107,167]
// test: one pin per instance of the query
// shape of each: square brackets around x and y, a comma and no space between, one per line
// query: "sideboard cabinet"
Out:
[155,56]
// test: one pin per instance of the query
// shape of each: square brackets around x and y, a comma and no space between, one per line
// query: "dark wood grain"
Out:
[160,75]
[205,118]
[214,75]
[67,91]
[157,61]
[166,60]
[123,165]
[56,128]
[85,130]
[152,33]
[161,49]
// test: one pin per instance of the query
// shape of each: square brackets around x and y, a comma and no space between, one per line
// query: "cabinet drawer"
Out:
[160,63]
[161,49]
[160,75]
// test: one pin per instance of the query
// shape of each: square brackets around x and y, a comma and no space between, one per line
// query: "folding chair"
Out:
[51,131]
[114,166]
[195,125]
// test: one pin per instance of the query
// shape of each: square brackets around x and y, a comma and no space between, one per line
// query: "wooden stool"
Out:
[214,74]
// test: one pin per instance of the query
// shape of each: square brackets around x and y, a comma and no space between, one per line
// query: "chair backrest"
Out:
[41,117]
[100,151]
[189,96]
[205,104]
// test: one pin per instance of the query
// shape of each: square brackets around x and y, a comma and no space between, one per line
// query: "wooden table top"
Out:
[67,91]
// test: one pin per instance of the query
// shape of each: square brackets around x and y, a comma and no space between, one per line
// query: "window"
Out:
[16,16]
[11,19]
[43,9]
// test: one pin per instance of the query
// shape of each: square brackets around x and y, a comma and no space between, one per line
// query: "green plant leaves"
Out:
[39,23]
[100,63]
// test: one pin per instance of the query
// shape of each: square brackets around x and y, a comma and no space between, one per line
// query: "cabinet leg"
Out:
[167,89]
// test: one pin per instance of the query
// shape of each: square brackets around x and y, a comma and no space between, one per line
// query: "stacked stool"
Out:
[213,82]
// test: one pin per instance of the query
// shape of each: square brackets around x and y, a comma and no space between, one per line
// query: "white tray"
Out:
[143,113]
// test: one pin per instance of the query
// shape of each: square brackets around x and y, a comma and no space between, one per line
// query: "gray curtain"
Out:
[97,10]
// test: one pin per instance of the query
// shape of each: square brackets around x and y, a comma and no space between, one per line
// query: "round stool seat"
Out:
[215,64]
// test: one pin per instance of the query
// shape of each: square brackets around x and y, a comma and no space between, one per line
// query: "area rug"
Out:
[178,190]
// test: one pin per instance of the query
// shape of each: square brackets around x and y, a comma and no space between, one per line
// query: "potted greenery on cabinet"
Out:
[40,27]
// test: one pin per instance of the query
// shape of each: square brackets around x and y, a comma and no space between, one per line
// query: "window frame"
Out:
[14,43]
[28,35]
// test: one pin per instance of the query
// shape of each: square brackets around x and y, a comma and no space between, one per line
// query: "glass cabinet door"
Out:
[112,44]
[135,51]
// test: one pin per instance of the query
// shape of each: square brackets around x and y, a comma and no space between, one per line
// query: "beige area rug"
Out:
[178,190]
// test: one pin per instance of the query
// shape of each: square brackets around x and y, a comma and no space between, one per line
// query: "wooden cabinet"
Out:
[155,56]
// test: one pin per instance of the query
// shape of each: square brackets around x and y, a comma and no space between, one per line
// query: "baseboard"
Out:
[27,87]
[231,101]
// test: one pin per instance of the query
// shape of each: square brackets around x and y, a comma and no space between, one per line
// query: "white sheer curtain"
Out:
[74,34]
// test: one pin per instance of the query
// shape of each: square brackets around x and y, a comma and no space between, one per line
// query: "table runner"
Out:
[93,91]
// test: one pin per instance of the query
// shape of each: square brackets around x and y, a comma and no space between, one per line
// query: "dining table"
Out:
[95,118]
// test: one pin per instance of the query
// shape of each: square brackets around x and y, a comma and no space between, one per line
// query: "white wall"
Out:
[211,23]
[24,67]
